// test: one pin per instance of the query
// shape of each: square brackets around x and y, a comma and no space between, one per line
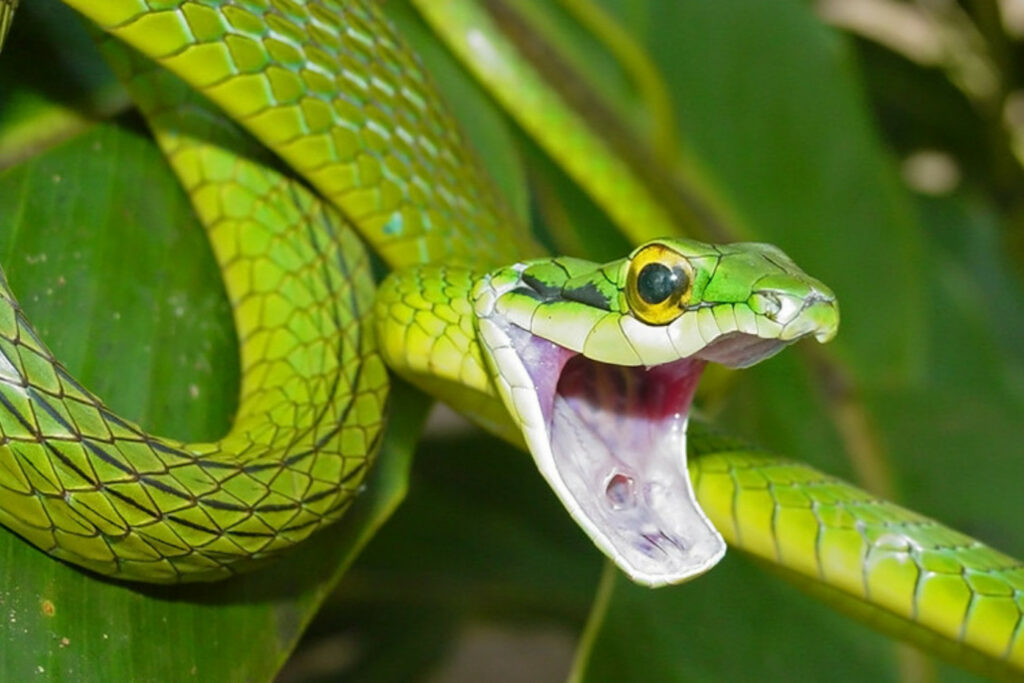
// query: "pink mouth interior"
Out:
[617,438]
[630,425]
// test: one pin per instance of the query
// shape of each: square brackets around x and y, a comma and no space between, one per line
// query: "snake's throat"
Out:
[611,442]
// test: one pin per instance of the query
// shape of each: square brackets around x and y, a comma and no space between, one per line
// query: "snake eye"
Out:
[655,283]
[658,284]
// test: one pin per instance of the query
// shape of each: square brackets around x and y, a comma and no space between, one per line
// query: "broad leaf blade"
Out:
[737,623]
[481,540]
[769,100]
[102,251]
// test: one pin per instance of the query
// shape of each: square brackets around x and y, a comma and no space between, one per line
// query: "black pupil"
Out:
[656,282]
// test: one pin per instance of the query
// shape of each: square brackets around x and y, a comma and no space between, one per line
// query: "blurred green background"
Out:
[879,143]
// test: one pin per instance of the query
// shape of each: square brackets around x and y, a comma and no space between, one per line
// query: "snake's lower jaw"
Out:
[611,442]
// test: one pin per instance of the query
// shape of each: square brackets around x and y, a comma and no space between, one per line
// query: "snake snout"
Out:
[800,309]
[818,315]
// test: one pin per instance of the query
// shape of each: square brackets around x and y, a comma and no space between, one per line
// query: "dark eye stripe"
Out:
[656,282]
[590,295]
[544,291]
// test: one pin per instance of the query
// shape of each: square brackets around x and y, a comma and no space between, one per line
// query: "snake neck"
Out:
[427,333]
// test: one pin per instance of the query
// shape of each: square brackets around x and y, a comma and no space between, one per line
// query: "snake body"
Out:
[331,89]
[99,491]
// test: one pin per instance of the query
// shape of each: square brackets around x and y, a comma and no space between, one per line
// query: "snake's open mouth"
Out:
[618,441]
[611,441]
[599,365]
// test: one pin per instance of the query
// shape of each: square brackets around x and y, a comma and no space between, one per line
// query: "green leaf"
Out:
[770,102]
[736,623]
[958,432]
[87,229]
[480,539]
[60,86]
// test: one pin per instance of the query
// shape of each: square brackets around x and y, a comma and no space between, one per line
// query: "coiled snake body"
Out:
[589,365]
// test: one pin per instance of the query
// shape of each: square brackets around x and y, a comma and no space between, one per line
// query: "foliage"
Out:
[797,131]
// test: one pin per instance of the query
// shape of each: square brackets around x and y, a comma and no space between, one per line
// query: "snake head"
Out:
[598,364]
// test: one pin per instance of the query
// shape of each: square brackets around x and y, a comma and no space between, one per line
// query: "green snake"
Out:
[592,367]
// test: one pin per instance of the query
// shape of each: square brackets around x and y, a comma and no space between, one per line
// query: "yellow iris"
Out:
[658,284]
